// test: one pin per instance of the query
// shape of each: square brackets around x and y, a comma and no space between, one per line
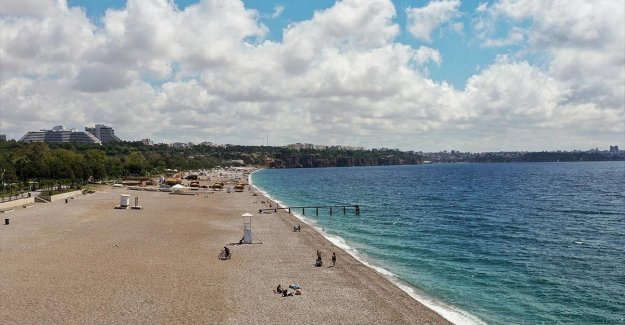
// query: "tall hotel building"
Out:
[103,133]
[59,134]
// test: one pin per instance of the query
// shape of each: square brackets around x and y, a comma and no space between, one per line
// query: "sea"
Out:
[509,243]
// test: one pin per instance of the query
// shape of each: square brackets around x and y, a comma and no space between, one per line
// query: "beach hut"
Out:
[124,201]
[247,228]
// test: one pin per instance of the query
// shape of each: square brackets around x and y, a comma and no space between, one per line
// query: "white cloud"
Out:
[277,11]
[151,69]
[423,21]
[32,8]
[350,24]
[482,7]
[583,42]
[515,37]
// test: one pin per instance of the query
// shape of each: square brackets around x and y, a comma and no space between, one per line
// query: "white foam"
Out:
[448,312]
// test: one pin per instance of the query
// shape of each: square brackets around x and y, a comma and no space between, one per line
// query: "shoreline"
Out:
[449,312]
[83,262]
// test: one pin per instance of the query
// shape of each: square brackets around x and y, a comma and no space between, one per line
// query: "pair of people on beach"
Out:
[319,261]
[286,293]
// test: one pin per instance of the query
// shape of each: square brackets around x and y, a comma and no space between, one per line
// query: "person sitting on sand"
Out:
[279,289]
[227,250]
[318,262]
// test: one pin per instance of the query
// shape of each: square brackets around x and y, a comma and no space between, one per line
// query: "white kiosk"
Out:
[247,228]
[124,201]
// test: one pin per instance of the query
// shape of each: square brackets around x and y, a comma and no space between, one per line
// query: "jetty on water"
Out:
[330,207]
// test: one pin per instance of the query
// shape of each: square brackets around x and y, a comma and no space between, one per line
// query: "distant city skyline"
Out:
[105,133]
[497,75]
[108,134]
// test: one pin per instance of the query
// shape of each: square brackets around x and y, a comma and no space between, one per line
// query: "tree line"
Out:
[46,165]
[73,164]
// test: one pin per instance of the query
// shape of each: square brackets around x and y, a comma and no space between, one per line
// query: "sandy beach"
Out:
[84,262]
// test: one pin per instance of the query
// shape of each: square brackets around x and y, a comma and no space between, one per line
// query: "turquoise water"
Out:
[518,243]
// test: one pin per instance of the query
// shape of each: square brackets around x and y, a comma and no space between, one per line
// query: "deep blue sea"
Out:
[515,243]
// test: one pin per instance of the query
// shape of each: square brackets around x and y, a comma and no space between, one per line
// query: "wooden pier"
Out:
[330,207]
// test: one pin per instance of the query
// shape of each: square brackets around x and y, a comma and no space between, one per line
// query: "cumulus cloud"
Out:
[151,69]
[277,11]
[32,8]
[515,36]
[423,21]
[98,77]
[583,42]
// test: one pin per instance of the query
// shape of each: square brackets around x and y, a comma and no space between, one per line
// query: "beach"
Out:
[84,262]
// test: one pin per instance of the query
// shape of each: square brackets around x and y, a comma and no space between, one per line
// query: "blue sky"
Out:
[415,75]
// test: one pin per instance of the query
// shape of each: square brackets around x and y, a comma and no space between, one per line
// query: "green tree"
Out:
[96,161]
[136,164]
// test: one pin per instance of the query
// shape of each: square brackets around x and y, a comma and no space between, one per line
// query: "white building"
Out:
[103,133]
[60,134]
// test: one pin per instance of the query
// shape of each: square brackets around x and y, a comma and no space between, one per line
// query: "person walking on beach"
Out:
[333,259]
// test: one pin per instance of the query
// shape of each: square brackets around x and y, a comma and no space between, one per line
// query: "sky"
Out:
[500,75]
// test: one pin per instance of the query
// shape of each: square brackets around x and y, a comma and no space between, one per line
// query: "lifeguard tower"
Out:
[247,228]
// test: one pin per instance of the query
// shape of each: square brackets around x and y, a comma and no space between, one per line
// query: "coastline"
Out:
[85,262]
[450,313]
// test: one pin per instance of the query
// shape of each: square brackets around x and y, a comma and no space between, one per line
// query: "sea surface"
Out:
[514,243]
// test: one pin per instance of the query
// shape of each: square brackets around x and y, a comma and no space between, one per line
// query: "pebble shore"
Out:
[84,262]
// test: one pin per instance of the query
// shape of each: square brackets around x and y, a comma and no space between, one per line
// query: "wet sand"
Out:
[84,262]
